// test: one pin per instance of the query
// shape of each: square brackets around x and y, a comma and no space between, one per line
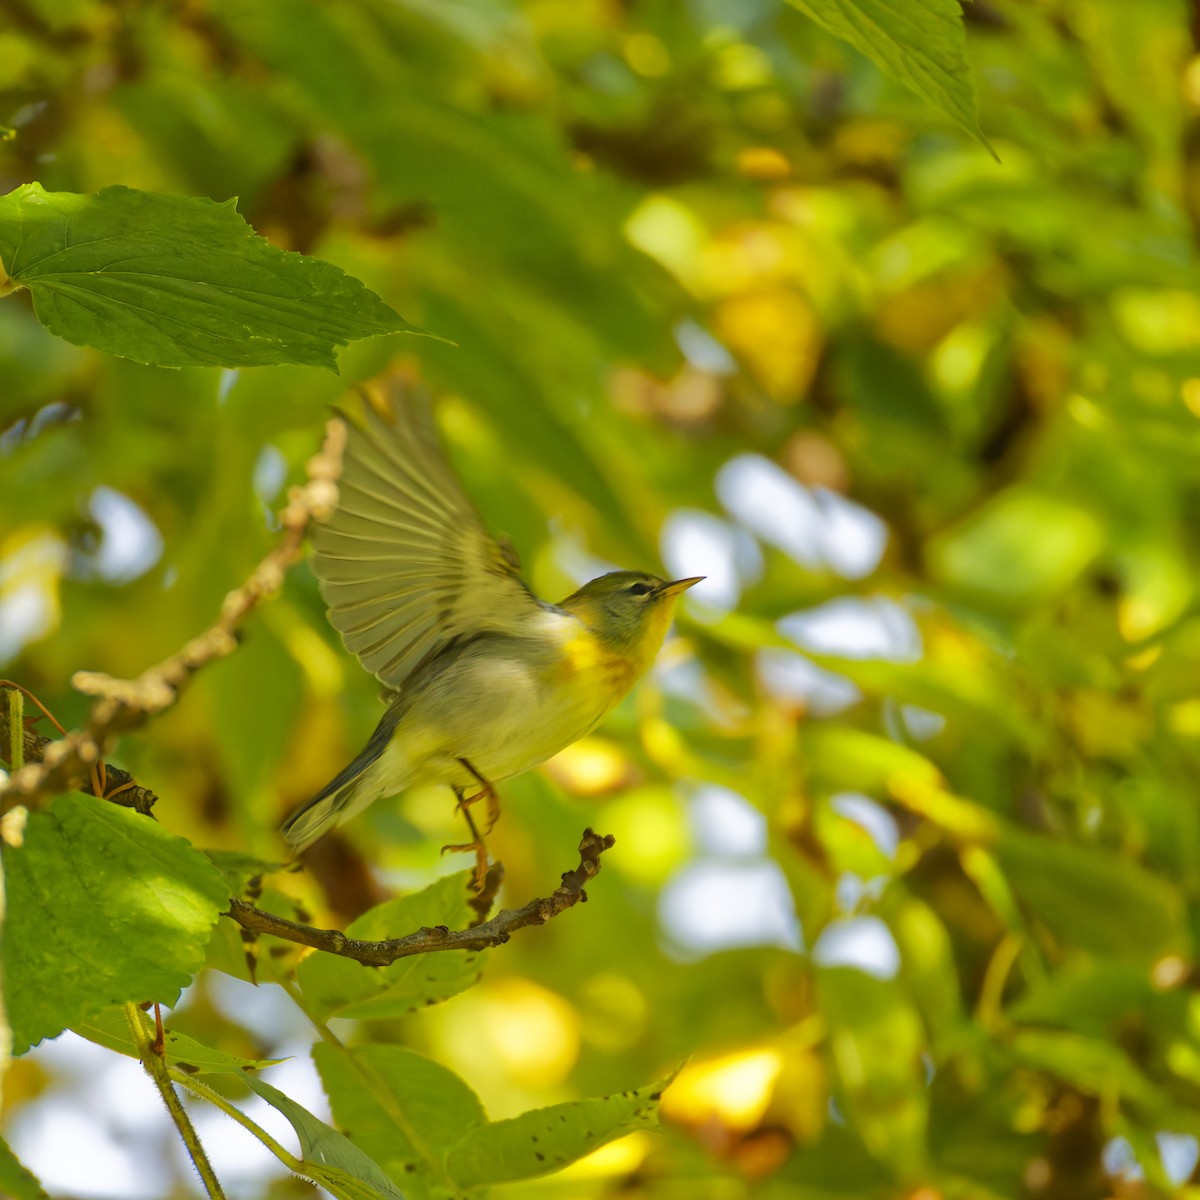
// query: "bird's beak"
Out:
[679,585]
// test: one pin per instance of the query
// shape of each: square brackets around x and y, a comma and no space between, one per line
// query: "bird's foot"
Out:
[486,789]
[489,794]
[479,876]
[493,812]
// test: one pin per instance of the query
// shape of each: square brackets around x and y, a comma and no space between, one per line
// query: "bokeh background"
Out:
[908,840]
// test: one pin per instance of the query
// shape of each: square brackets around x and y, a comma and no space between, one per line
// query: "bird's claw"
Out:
[493,806]
[479,877]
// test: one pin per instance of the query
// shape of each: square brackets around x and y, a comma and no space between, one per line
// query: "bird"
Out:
[483,680]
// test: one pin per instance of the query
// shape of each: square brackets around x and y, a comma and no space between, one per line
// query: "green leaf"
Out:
[876,1039]
[104,907]
[852,758]
[330,1159]
[1098,1068]
[16,1183]
[547,1139]
[927,964]
[1087,996]
[239,868]
[111,1030]
[335,986]
[1023,546]
[1091,898]
[403,1109]
[178,282]
[919,43]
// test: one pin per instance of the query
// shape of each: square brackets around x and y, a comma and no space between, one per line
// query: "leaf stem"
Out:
[297,998]
[16,728]
[157,1069]
[204,1092]
[16,760]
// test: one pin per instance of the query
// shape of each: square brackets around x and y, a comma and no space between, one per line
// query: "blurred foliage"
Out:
[716,292]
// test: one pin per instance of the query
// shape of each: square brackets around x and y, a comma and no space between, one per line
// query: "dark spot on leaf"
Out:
[250,1067]
[430,1000]
[656,1095]
[190,1068]
[587,1133]
[540,1157]
[562,1117]
[410,1167]
[431,979]
[535,1137]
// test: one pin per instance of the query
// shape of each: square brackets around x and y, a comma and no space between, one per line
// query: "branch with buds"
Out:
[124,704]
[484,936]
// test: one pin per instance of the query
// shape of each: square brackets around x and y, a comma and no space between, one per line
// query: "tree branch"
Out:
[491,933]
[124,704]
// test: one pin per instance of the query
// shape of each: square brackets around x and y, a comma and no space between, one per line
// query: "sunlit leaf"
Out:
[550,1138]
[178,282]
[104,907]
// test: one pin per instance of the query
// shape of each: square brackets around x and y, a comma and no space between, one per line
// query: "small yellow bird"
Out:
[484,679]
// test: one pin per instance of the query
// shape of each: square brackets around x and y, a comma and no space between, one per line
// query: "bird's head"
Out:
[629,611]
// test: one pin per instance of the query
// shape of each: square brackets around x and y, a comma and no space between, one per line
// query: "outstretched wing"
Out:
[405,562]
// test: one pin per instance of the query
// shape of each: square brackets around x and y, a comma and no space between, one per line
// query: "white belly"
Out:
[501,712]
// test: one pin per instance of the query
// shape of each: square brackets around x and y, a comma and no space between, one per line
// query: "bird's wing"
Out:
[405,562]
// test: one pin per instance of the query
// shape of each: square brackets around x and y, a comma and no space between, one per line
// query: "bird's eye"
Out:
[639,589]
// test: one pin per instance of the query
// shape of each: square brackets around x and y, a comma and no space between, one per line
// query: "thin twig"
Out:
[156,1067]
[491,933]
[124,704]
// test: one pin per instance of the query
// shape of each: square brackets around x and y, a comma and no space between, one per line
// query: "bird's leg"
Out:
[493,800]
[481,856]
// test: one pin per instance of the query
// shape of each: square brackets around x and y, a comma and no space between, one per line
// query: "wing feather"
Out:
[405,562]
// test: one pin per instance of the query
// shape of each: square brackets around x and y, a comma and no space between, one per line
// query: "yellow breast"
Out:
[586,662]
[589,661]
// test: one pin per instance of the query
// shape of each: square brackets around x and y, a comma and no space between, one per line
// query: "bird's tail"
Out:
[317,817]
[347,793]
